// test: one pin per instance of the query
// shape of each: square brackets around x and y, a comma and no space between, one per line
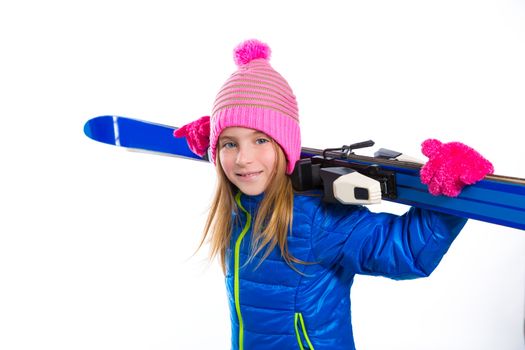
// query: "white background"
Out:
[96,243]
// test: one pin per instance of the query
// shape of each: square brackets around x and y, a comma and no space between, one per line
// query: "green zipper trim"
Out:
[236,270]
[299,317]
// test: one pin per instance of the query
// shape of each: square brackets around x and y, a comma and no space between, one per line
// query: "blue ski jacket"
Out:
[274,307]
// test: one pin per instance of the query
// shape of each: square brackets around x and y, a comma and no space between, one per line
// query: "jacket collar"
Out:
[251,203]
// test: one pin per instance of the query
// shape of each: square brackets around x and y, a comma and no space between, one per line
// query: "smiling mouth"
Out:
[249,175]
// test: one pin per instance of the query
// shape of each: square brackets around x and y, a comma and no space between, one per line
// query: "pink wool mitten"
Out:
[451,166]
[197,134]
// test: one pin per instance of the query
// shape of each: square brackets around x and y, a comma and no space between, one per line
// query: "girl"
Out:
[289,258]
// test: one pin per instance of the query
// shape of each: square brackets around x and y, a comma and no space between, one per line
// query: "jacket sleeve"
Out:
[398,247]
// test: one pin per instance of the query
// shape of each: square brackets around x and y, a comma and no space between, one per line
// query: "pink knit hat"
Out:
[255,97]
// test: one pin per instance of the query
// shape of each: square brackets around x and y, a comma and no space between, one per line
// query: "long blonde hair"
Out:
[272,222]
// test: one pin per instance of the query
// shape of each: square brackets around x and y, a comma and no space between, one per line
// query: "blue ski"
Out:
[495,199]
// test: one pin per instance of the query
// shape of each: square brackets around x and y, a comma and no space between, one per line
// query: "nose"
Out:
[244,156]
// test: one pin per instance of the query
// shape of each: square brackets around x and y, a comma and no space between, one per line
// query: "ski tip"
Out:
[87,129]
[100,129]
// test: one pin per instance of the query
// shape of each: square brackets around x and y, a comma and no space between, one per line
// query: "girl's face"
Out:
[248,158]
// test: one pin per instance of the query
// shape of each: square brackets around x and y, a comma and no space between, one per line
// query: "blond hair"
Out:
[272,221]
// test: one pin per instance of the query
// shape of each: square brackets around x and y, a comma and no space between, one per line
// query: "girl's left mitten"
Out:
[451,166]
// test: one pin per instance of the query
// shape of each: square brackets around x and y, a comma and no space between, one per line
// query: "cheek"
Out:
[225,161]
[270,158]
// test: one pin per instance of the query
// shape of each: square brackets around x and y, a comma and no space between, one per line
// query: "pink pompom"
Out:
[250,50]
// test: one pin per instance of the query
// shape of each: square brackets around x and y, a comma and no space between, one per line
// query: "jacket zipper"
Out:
[301,331]
[236,288]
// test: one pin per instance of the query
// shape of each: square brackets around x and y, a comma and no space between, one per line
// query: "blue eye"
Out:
[228,145]
[261,141]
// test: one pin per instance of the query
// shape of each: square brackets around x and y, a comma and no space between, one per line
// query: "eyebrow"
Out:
[252,133]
